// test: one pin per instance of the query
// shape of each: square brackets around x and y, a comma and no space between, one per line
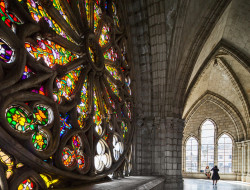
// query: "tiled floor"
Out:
[202,184]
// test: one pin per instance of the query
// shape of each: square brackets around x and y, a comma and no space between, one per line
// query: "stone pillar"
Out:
[243,170]
[248,162]
[239,161]
[216,153]
[168,159]
[184,158]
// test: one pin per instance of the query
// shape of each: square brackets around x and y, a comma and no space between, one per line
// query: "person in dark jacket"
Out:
[215,176]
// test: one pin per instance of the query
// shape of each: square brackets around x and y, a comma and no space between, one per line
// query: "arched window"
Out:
[207,145]
[191,155]
[225,154]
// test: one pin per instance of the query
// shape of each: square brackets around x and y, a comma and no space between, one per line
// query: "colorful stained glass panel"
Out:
[115,15]
[105,35]
[6,53]
[40,140]
[26,185]
[82,108]
[64,124]
[113,88]
[9,19]
[97,114]
[37,12]
[57,5]
[124,128]
[53,54]
[110,54]
[66,85]
[113,71]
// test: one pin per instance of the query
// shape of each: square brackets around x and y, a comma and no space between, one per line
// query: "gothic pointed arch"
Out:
[223,104]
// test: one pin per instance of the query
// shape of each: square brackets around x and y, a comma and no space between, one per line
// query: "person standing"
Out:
[215,176]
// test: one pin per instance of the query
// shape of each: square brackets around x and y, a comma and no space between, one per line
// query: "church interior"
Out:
[124,94]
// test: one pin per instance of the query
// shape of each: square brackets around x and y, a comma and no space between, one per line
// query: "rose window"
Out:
[66,94]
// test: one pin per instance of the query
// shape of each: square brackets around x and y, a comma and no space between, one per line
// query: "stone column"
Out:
[216,154]
[248,162]
[243,170]
[239,161]
[169,155]
[184,158]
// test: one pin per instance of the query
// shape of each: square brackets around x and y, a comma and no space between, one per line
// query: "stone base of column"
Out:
[248,178]
[243,177]
[238,177]
[172,184]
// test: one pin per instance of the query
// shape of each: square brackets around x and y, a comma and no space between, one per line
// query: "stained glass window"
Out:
[225,154]
[69,103]
[6,53]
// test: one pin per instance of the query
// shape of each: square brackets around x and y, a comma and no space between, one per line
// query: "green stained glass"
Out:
[40,140]
[18,119]
[66,85]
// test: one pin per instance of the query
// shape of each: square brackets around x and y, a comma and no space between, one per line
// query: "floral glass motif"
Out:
[26,185]
[64,124]
[69,157]
[66,85]
[37,12]
[6,53]
[19,119]
[53,54]
[105,35]
[9,19]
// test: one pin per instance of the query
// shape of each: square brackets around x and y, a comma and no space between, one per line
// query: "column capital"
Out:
[238,144]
